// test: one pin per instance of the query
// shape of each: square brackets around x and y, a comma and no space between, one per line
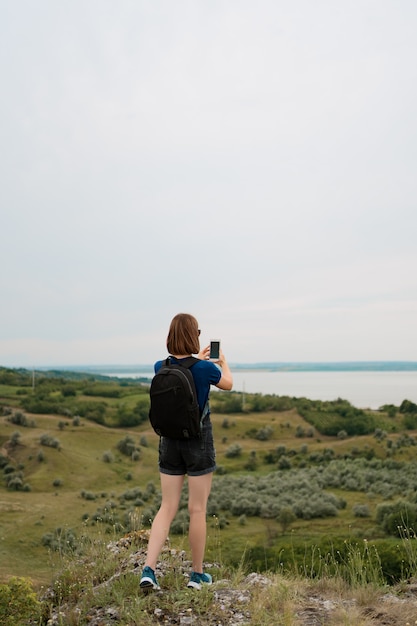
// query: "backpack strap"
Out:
[189,362]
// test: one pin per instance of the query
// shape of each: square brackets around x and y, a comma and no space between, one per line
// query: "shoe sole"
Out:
[148,585]
[193,585]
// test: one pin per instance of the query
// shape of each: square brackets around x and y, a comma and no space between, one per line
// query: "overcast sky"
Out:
[252,163]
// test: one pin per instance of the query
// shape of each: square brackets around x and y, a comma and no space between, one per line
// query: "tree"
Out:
[285,517]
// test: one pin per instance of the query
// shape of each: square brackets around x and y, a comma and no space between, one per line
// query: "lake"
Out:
[363,389]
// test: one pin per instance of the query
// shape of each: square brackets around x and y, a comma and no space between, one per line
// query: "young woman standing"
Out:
[194,458]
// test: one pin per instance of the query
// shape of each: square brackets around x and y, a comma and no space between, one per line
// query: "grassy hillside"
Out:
[283,490]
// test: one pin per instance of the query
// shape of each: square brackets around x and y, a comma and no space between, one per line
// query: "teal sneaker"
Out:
[197,579]
[148,580]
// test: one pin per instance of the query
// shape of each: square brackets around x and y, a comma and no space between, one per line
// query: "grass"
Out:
[26,517]
[78,466]
[101,580]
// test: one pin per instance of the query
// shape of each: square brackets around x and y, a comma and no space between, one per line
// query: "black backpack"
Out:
[174,411]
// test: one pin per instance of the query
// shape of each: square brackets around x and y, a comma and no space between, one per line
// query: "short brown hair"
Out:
[183,335]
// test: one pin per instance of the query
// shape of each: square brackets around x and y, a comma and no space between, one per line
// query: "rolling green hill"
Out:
[282,484]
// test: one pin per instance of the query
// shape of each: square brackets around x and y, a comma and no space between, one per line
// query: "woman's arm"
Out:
[226,381]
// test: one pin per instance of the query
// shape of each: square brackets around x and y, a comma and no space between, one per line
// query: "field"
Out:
[83,482]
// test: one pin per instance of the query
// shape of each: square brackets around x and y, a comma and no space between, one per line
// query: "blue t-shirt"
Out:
[205,373]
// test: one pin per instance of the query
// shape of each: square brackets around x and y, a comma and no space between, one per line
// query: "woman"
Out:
[195,457]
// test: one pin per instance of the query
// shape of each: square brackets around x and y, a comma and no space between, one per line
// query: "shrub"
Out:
[18,603]
[252,462]
[94,411]
[264,433]
[88,495]
[15,483]
[380,434]
[108,457]
[49,441]
[180,524]
[68,391]
[284,463]
[127,418]
[60,540]
[396,517]
[407,406]
[14,439]
[132,494]
[126,446]
[361,510]
[233,451]
[329,418]
[285,518]
[226,402]
[19,419]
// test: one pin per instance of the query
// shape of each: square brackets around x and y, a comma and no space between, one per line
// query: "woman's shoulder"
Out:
[208,370]
[207,365]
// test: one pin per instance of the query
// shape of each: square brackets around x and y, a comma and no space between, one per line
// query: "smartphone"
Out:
[215,349]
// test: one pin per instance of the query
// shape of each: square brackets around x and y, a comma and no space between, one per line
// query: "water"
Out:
[362,389]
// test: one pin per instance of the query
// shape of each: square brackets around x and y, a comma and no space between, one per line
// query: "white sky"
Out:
[252,163]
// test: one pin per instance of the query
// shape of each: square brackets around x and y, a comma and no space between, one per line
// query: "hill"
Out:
[302,486]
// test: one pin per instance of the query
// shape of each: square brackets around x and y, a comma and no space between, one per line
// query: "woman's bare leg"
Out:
[199,490]
[171,487]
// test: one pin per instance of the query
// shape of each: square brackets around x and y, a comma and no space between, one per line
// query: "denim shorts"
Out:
[194,457]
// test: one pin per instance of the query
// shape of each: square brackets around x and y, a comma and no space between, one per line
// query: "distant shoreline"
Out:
[325,366]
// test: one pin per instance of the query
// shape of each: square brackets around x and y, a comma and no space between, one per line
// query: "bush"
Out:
[18,603]
[88,495]
[330,418]
[49,441]
[264,433]
[408,407]
[15,483]
[14,439]
[127,418]
[94,411]
[19,419]
[361,510]
[226,402]
[233,451]
[60,540]
[285,518]
[128,447]
[397,517]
